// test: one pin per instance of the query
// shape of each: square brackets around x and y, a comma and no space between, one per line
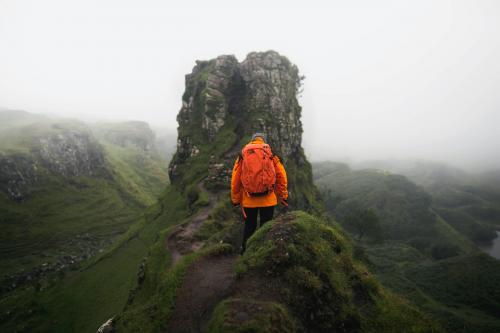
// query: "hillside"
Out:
[298,273]
[170,259]
[310,283]
[426,258]
[67,193]
[470,202]
[403,208]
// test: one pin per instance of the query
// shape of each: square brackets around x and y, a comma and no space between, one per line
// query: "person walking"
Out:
[258,183]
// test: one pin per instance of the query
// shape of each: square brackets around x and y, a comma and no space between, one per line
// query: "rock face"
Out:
[107,327]
[63,151]
[205,104]
[17,172]
[272,83]
[71,153]
[224,103]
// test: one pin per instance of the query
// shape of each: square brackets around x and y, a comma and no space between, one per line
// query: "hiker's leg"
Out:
[266,214]
[250,225]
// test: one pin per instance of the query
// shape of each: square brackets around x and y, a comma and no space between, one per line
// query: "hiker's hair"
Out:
[259,135]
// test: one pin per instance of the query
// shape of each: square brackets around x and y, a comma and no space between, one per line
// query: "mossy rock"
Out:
[237,315]
[314,264]
[304,266]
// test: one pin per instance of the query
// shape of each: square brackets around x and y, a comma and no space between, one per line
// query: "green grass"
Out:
[402,207]
[154,299]
[135,180]
[316,272]
[310,263]
[59,212]
[48,222]
[266,317]
[465,283]
[224,224]
[148,313]
[406,211]
[84,299]
[452,236]
[81,300]
[439,269]
[461,292]
[143,176]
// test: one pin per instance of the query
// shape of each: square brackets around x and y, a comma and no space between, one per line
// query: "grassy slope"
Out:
[472,209]
[85,298]
[469,202]
[154,298]
[47,224]
[460,291]
[58,211]
[438,286]
[309,281]
[144,177]
[348,295]
[403,208]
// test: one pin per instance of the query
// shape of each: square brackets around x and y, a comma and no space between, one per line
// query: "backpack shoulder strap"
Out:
[278,158]
[272,153]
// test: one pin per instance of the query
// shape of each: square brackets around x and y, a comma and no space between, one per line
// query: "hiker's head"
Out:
[259,135]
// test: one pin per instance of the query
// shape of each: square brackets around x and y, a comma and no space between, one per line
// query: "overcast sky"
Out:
[385,79]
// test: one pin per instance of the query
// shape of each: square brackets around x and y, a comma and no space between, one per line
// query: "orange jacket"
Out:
[240,196]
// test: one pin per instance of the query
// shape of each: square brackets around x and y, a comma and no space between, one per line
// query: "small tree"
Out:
[364,222]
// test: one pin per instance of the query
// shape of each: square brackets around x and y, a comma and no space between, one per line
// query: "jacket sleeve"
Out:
[281,179]
[236,182]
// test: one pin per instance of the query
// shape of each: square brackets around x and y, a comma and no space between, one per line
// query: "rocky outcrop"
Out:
[272,84]
[107,327]
[17,173]
[260,93]
[205,105]
[71,153]
[225,102]
[63,150]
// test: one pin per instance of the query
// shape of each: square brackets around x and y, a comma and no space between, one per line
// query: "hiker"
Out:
[258,183]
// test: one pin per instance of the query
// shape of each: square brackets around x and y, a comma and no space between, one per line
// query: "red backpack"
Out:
[257,173]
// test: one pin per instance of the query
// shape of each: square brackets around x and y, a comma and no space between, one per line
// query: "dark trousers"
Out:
[266,214]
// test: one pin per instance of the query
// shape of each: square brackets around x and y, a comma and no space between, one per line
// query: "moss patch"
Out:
[242,315]
[307,264]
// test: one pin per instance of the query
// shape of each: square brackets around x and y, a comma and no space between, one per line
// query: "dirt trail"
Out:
[207,282]
[181,240]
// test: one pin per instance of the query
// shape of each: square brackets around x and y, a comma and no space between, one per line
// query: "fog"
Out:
[384,79]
